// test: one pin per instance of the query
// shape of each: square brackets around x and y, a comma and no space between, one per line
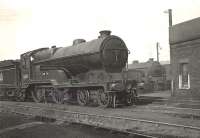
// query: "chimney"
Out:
[104,33]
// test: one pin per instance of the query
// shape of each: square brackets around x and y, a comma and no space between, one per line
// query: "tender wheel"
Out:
[20,95]
[103,98]
[38,95]
[82,97]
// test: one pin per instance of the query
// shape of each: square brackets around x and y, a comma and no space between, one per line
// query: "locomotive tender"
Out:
[86,72]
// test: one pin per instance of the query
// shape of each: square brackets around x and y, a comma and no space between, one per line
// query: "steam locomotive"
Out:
[90,72]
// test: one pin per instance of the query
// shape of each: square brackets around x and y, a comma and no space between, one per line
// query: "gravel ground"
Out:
[60,131]
[8,119]
[163,94]
[50,130]
[125,112]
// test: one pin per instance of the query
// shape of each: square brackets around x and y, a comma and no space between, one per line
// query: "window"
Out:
[184,77]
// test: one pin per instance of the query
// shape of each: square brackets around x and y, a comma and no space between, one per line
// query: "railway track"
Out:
[156,104]
[173,108]
[134,126]
[144,100]
[175,111]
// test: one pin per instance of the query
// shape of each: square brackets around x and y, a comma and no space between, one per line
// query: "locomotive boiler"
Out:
[107,52]
[87,72]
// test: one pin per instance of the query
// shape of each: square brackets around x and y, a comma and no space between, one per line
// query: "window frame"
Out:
[180,76]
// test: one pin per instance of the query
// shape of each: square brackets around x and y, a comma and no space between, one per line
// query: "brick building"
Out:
[185,58]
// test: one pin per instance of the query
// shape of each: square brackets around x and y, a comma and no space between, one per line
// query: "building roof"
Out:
[185,31]
[165,62]
[143,65]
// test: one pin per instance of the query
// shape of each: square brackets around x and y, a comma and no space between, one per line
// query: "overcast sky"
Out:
[30,24]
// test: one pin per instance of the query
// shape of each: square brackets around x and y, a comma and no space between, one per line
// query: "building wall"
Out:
[187,52]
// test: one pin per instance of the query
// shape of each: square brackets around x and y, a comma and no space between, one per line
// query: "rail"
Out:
[123,124]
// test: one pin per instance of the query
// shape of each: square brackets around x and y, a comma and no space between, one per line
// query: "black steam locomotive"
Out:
[86,72]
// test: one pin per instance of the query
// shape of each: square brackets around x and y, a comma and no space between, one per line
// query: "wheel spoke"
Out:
[131,98]
[20,95]
[83,97]
[103,98]
[59,96]
[38,95]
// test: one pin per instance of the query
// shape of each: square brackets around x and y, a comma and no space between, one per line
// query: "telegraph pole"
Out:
[169,12]
[157,50]
[170,17]
[170,24]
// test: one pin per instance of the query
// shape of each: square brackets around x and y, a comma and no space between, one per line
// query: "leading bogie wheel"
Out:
[129,100]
